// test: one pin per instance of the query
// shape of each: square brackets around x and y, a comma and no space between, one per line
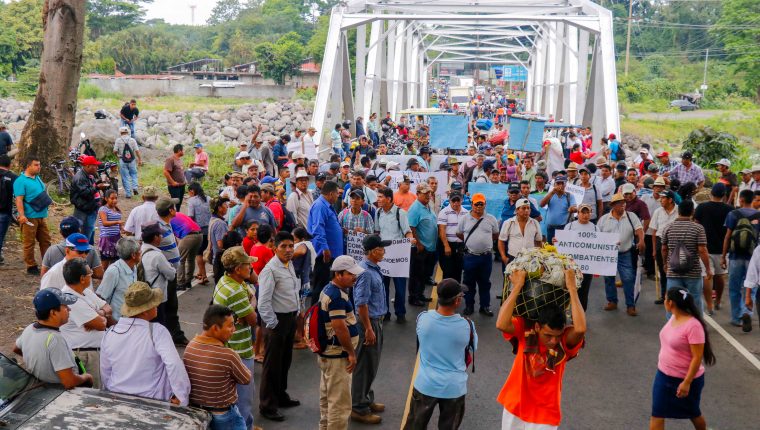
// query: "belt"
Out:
[211,409]
[86,349]
[477,254]
[193,232]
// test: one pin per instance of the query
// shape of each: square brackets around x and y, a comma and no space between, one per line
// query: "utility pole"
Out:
[628,38]
[192,14]
[704,78]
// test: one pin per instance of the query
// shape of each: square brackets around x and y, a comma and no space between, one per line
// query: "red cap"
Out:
[663,154]
[612,136]
[89,160]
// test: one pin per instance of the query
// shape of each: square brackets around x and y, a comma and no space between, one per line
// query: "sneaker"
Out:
[468,310]
[376,407]
[34,270]
[631,311]
[659,301]
[369,418]
[710,312]
[387,317]
[486,311]
[746,323]
[135,192]
[610,306]
[181,341]
[401,319]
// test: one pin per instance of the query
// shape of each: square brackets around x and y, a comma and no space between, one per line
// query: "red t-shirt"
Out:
[263,253]
[577,158]
[534,399]
[275,206]
[247,244]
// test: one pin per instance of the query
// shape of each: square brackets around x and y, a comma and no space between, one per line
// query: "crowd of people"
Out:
[275,235]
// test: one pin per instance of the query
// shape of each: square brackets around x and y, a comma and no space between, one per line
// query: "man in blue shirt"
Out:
[280,150]
[560,204]
[369,299]
[424,225]
[32,212]
[442,376]
[327,236]
[613,144]
[510,205]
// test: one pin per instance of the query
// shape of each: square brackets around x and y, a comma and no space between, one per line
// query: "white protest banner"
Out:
[418,177]
[595,252]
[576,191]
[397,255]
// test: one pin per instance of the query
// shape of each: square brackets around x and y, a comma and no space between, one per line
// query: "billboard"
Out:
[513,73]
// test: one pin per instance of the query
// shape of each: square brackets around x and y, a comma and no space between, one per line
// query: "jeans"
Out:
[128,173]
[194,173]
[177,192]
[244,404]
[477,271]
[399,284]
[693,285]
[5,221]
[88,223]
[627,274]
[230,420]
[737,271]
[131,126]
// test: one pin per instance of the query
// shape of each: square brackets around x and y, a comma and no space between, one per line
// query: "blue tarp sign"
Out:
[495,194]
[448,131]
[514,73]
[526,134]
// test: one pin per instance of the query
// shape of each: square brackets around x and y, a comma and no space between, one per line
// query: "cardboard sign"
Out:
[595,252]
[397,256]
[419,177]
[576,191]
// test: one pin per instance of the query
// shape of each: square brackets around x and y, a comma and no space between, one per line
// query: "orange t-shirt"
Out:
[404,201]
[534,399]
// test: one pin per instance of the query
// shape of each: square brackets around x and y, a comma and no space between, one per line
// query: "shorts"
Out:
[665,404]
[715,266]
[511,422]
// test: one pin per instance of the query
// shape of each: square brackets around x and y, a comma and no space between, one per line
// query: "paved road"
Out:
[607,387]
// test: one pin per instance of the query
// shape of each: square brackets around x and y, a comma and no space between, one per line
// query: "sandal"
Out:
[259,359]
[203,280]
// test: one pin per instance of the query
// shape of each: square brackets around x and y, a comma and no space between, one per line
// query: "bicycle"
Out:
[59,187]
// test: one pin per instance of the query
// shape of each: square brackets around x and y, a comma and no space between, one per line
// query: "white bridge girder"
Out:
[566,45]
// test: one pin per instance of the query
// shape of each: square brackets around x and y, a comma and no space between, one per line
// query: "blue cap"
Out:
[79,242]
[52,298]
[268,180]
[69,226]
[485,146]
[488,164]
[198,145]
[560,178]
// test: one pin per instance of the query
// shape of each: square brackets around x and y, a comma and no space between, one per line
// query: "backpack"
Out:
[141,270]
[314,330]
[6,191]
[620,152]
[288,220]
[744,235]
[127,154]
[680,259]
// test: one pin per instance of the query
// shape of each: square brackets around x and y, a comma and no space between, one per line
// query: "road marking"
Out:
[735,343]
[431,307]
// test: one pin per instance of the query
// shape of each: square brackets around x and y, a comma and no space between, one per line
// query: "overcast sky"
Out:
[178,11]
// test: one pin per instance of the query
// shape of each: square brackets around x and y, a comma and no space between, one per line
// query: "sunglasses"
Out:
[478,204]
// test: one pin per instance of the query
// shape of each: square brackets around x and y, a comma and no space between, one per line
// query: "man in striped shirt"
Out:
[450,253]
[166,210]
[216,370]
[233,292]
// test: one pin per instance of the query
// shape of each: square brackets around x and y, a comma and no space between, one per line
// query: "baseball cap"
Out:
[268,187]
[52,298]
[628,188]
[123,129]
[668,193]
[406,179]
[612,136]
[345,164]
[513,188]
[236,256]
[560,178]
[455,196]
[478,198]
[334,166]
[488,164]
[449,289]
[347,263]
[302,174]
[444,166]
[718,189]
[150,191]
[485,147]
[425,150]
[511,157]
[268,180]
[243,154]
[724,162]
[89,160]
[69,226]
[663,154]
[392,165]
[652,168]
[298,155]
[644,151]
[521,202]
[152,228]
[198,145]
[243,143]
[321,176]
[648,182]
[583,206]
[687,155]
[583,169]
[374,241]
[621,167]
[746,171]
[456,185]
[239,174]
[412,161]
[79,242]
[356,194]
[423,188]
[166,203]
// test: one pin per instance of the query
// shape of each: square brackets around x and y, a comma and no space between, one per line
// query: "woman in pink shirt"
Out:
[684,344]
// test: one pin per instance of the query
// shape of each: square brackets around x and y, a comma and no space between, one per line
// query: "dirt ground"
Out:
[17,288]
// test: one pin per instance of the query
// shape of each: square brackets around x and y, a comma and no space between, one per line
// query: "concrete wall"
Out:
[191,87]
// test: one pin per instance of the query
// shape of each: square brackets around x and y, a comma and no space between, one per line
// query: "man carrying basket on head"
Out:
[531,396]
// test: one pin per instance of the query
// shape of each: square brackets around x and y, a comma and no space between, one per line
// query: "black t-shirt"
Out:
[619,182]
[5,142]
[128,112]
[712,216]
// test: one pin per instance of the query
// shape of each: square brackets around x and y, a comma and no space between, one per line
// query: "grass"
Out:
[220,163]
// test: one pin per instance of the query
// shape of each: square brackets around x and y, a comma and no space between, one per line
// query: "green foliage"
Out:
[742,42]
[224,11]
[20,35]
[306,93]
[110,16]
[709,146]
[25,85]
[281,59]
[316,46]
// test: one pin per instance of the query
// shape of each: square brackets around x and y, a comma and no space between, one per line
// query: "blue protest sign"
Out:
[526,134]
[495,194]
[448,131]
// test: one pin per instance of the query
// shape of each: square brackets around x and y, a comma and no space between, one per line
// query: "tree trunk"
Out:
[47,133]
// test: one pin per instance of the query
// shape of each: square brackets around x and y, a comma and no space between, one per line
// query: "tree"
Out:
[20,35]
[738,29]
[281,59]
[47,133]
[109,16]
[224,11]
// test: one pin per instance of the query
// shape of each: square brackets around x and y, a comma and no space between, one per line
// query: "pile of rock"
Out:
[161,129]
